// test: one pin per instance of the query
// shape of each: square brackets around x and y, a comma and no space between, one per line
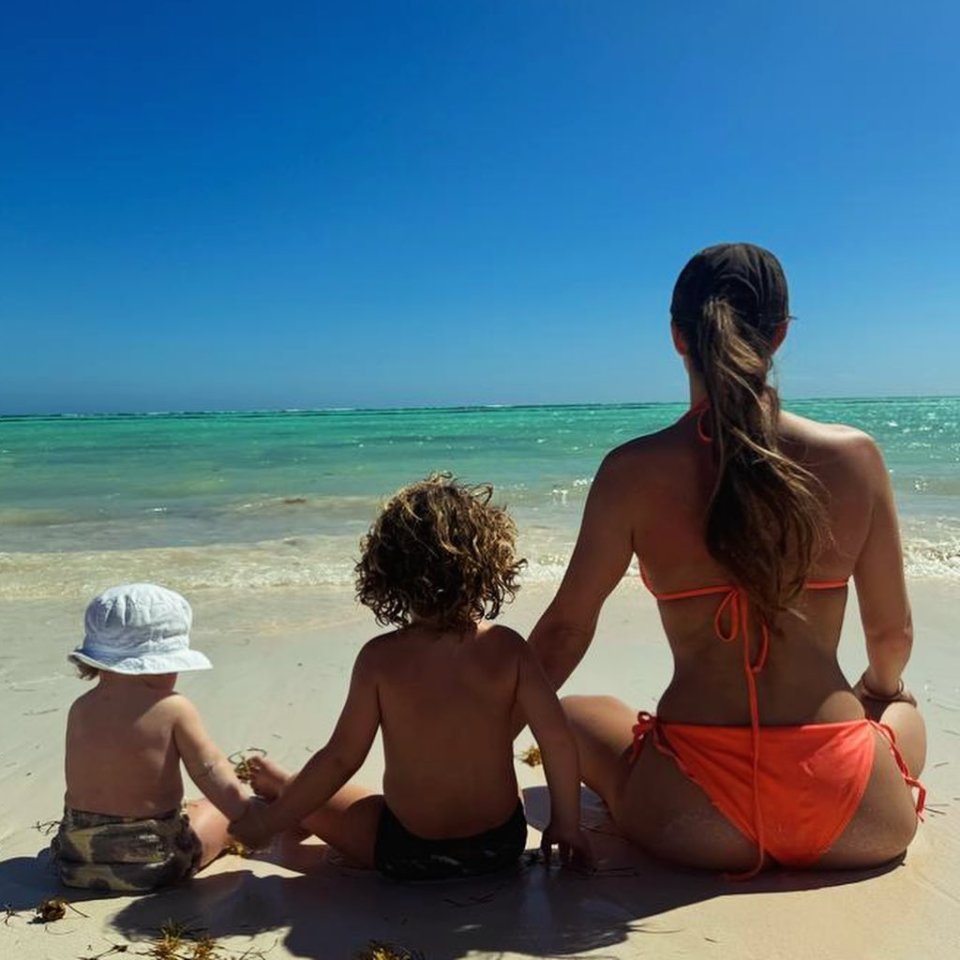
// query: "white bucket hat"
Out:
[139,628]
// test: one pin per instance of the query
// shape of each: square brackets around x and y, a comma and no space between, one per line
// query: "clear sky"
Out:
[248,205]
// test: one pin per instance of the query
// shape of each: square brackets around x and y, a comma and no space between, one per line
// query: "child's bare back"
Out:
[446,699]
[125,723]
[125,740]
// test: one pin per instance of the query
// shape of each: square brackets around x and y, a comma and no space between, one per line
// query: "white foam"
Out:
[931,551]
[932,560]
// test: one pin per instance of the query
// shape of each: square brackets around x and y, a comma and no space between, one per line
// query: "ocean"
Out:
[273,499]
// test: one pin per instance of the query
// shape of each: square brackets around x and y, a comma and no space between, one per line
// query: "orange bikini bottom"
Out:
[795,794]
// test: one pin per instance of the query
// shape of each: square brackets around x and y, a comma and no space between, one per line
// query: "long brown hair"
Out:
[766,521]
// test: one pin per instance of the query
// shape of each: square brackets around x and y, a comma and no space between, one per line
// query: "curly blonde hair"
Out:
[439,549]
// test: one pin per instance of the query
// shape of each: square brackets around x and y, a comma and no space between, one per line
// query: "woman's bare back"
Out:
[801,681]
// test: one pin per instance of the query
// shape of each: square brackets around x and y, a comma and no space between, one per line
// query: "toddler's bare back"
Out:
[121,753]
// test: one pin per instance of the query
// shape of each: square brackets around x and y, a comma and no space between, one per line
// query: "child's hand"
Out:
[250,828]
[573,846]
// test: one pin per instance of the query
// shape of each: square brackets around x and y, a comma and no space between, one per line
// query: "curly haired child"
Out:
[437,565]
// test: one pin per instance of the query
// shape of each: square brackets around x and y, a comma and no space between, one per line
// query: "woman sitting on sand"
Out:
[748,524]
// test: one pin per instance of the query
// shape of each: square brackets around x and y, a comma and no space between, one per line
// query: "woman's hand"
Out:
[573,847]
[864,690]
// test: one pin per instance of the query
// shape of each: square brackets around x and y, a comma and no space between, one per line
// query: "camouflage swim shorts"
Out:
[125,854]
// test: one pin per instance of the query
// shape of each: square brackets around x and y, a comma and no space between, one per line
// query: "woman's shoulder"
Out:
[837,453]
[665,437]
[839,438]
[649,448]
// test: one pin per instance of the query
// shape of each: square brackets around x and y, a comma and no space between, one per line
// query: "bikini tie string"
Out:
[738,604]
[646,723]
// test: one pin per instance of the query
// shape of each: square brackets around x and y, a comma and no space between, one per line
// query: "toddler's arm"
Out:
[329,768]
[561,764]
[209,769]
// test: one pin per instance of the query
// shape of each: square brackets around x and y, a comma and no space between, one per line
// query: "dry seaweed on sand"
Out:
[377,950]
[46,827]
[115,948]
[169,940]
[237,849]
[241,762]
[531,756]
[206,948]
[177,941]
[52,909]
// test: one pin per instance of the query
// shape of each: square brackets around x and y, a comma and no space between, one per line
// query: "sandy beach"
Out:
[282,660]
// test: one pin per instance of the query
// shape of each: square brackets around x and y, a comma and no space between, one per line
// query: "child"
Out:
[122,826]
[442,687]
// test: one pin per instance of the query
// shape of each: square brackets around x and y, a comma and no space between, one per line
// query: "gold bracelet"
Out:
[889,698]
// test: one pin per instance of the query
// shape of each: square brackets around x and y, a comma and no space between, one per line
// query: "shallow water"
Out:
[282,498]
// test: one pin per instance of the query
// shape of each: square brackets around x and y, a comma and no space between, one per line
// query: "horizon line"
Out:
[415,408]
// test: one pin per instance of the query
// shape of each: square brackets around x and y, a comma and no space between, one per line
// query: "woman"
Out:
[748,523]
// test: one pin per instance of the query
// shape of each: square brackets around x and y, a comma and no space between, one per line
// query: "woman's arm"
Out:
[881,588]
[561,766]
[328,769]
[600,559]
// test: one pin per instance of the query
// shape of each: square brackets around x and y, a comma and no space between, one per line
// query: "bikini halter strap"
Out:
[699,410]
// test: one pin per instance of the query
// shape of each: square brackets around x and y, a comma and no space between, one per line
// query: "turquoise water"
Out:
[275,498]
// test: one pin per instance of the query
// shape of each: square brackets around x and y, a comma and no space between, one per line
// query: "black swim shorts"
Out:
[402,855]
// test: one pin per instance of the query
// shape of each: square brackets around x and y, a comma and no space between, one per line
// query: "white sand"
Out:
[282,660]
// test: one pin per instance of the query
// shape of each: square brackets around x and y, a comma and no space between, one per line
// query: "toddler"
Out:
[442,687]
[123,828]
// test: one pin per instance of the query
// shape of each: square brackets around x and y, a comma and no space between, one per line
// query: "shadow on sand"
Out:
[329,911]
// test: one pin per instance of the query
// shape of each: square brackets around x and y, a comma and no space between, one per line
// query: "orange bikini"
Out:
[790,789]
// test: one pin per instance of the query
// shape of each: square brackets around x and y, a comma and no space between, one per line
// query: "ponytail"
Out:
[766,522]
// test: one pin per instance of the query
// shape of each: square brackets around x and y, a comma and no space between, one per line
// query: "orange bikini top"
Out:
[735,601]
[735,609]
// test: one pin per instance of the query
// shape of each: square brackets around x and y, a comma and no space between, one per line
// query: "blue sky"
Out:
[248,205]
